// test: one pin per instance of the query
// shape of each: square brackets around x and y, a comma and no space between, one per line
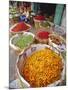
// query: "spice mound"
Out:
[42,68]
[24,41]
[43,35]
[40,17]
[20,27]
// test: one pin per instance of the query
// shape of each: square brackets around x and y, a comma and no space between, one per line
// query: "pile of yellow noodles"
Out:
[42,68]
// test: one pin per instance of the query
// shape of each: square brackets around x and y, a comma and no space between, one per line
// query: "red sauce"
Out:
[43,35]
[20,27]
[39,17]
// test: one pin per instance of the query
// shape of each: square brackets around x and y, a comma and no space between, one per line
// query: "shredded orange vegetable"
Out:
[42,68]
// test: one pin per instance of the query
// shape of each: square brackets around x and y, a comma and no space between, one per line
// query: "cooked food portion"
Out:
[42,68]
[24,41]
[55,39]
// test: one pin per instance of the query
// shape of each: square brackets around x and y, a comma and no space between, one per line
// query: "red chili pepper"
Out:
[20,27]
[39,17]
[43,35]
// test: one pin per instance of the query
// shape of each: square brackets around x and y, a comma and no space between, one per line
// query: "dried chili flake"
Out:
[39,17]
[20,27]
[43,35]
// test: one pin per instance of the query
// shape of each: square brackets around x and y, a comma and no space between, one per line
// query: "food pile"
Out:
[55,39]
[46,24]
[57,42]
[39,17]
[23,41]
[42,36]
[42,68]
[20,27]
[37,20]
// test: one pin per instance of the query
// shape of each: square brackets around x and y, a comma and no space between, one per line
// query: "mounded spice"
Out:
[20,27]
[24,41]
[39,17]
[43,35]
[42,68]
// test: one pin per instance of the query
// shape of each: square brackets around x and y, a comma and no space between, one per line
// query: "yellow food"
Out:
[42,68]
